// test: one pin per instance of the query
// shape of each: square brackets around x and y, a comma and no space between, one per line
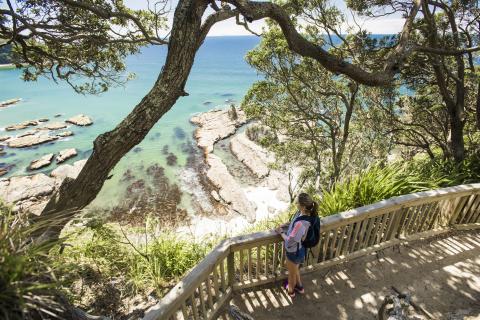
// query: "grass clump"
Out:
[28,285]
[105,269]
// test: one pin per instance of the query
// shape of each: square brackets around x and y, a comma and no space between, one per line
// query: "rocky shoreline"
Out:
[223,202]
[242,205]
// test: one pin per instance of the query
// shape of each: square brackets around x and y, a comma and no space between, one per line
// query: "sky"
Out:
[384,25]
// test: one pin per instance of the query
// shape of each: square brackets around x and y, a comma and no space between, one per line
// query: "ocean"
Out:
[219,77]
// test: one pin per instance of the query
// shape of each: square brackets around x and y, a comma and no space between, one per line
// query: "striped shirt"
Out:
[296,233]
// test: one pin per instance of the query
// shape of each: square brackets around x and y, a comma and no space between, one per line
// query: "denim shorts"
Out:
[296,257]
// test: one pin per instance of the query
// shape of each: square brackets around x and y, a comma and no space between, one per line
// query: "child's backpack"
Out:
[313,234]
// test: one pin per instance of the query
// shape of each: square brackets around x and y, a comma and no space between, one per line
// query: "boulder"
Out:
[251,154]
[44,161]
[30,140]
[15,189]
[3,171]
[66,154]
[215,195]
[54,126]
[68,170]
[80,120]
[215,125]
[65,134]
[229,190]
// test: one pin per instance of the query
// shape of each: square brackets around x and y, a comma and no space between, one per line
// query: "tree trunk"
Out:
[110,147]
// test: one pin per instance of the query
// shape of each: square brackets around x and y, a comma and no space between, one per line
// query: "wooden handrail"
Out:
[343,234]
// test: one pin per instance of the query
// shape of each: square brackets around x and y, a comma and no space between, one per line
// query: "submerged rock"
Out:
[44,161]
[171,159]
[30,140]
[66,154]
[179,133]
[58,115]
[215,125]
[43,120]
[9,102]
[80,120]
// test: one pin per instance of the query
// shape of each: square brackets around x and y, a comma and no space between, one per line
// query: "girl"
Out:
[295,252]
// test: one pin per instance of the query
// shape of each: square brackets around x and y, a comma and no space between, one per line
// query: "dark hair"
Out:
[307,202]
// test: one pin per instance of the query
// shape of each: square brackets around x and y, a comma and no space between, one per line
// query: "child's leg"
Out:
[297,277]
[292,275]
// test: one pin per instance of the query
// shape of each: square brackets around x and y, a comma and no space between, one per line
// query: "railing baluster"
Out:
[249,251]
[361,235]
[471,210]
[257,272]
[194,307]
[241,266]
[267,265]
[215,284]
[275,257]
[222,276]
[202,301]
[333,243]
[338,250]
[184,311]
[353,241]
[371,225]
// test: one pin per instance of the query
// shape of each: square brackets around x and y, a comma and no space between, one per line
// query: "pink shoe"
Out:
[291,294]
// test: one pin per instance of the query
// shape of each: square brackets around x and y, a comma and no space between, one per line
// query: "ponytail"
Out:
[308,203]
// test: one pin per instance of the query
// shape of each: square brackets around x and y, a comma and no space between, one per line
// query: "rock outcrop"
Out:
[44,161]
[251,155]
[66,154]
[215,125]
[31,193]
[22,125]
[30,140]
[54,126]
[68,170]
[4,138]
[80,120]
[228,188]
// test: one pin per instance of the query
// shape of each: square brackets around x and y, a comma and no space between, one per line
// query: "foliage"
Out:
[382,182]
[27,279]
[309,118]
[84,44]
[105,253]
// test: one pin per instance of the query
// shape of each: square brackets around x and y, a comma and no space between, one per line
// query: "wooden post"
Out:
[231,269]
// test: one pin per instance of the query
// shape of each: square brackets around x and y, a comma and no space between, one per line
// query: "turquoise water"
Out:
[219,73]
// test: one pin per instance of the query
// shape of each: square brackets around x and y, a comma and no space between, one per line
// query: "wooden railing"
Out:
[255,259]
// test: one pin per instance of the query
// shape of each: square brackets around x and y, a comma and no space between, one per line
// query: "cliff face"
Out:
[5,52]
